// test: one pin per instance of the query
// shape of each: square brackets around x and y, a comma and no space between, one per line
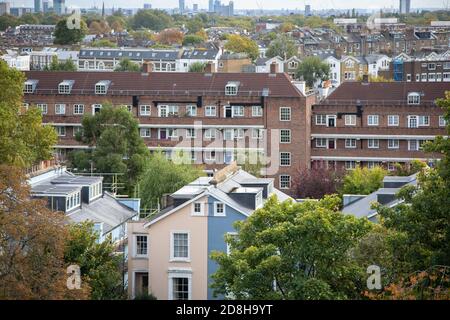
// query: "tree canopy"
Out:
[197,67]
[363,180]
[236,43]
[127,65]
[283,46]
[311,70]
[23,139]
[67,65]
[64,35]
[156,20]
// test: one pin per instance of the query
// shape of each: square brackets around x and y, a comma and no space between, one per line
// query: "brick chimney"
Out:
[273,68]
[147,67]
[209,68]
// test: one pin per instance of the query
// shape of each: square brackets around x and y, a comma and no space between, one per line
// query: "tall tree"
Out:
[197,67]
[64,35]
[114,133]
[23,139]
[170,37]
[169,178]
[101,268]
[293,251]
[283,46]
[238,44]
[363,180]
[32,240]
[156,20]
[127,65]
[67,65]
[315,183]
[311,70]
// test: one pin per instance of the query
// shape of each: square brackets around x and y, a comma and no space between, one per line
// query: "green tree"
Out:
[156,20]
[118,146]
[192,39]
[312,69]
[194,25]
[7,21]
[236,43]
[101,267]
[127,65]
[163,176]
[197,67]
[363,180]
[67,65]
[23,139]
[103,43]
[64,35]
[283,46]
[300,248]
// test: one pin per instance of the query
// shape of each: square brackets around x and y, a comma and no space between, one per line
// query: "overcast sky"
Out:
[254,4]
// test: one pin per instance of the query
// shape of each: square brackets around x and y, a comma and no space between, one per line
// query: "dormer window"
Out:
[102,87]
[231,89]
[29,86]
[413,98]
[65,87]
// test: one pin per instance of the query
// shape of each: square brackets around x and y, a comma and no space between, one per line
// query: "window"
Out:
[372,120]
[180,289]
[145,132]
[391,166]
[431,77]
[393,143]
[413,145]
[350,143]
[191,111]
[413,98]
[96,108]
[446,76]
[285,159]
[373,143]
[321,119]
[43,107]
[446,65]
[167,111]
[412,121]
[228,157]
[372,164]
[144,110]
[28,87]
[257,133]
[210,155]
[190,133]
[350,120]
[60,108]
[393,120]
[285,181]
[238,133]
[285,114]
[256,111]
[432,66]
[238,111]
[228,134]
[424,121]
[180,246]
[78,108]
[73,201]
[321,142]
[408,77]
[331,121]
[60,131]
[141,245]
[100,89]
[95,190]
[424,77]
[210,111]
[210,133]
[285,136]
[231,90]
[197,209]
[442,121]
[219,209]
[350,165]
[64,88]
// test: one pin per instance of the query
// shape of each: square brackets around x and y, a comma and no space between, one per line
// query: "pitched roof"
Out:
[159,82]
[132,54]
[379,91]
[200,54]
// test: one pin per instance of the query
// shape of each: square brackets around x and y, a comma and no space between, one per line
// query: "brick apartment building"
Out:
[376,124]
[432,68]
[237,111]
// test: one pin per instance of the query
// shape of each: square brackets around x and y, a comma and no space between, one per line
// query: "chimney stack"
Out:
[147,67]
[273,68]
[209,68]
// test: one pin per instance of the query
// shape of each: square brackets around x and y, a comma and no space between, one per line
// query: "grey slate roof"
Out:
[132,54]
[106,210]
[200,54]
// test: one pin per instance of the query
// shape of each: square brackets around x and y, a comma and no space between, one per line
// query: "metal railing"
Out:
[381,102]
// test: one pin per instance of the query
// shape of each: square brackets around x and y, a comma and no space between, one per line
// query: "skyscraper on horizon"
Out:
[37,6]
[59,7]
[405,6]
[181,6]
[307,10]
[5,8]
[211,6]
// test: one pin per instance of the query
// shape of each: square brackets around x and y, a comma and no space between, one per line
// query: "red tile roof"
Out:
[197,83]
[388,91]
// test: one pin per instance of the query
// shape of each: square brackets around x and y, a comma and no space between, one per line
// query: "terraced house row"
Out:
[218,118]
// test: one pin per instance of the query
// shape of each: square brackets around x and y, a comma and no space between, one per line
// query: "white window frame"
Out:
[231,89]
[172,246]
[209,156]
[350,165]
[350,145]
[58,131]
[422,122]
[149,130]
[257,111]
[373,120]
[191,110]
[321,145]
[442,121]
[77,107]
[202,209]
[43,107]
[59,107]
[211,111]
[393,120]
[281,182]
[237,111]
[321,120]
[219,214]
[410,118]
[145,110]
[136,254]
[210,133]
[414,98]
[415,147]
[350,120]
[393,143]
[289,159]
[257,134]
[187,274]
[100,89]
[285,114]
[373,143]
[191,133]
[287,136]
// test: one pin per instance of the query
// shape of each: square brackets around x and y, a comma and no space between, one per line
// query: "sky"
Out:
[255,4]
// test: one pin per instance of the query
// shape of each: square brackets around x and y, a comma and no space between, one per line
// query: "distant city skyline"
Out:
[250,4]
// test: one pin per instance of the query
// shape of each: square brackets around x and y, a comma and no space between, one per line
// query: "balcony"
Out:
[377,130]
